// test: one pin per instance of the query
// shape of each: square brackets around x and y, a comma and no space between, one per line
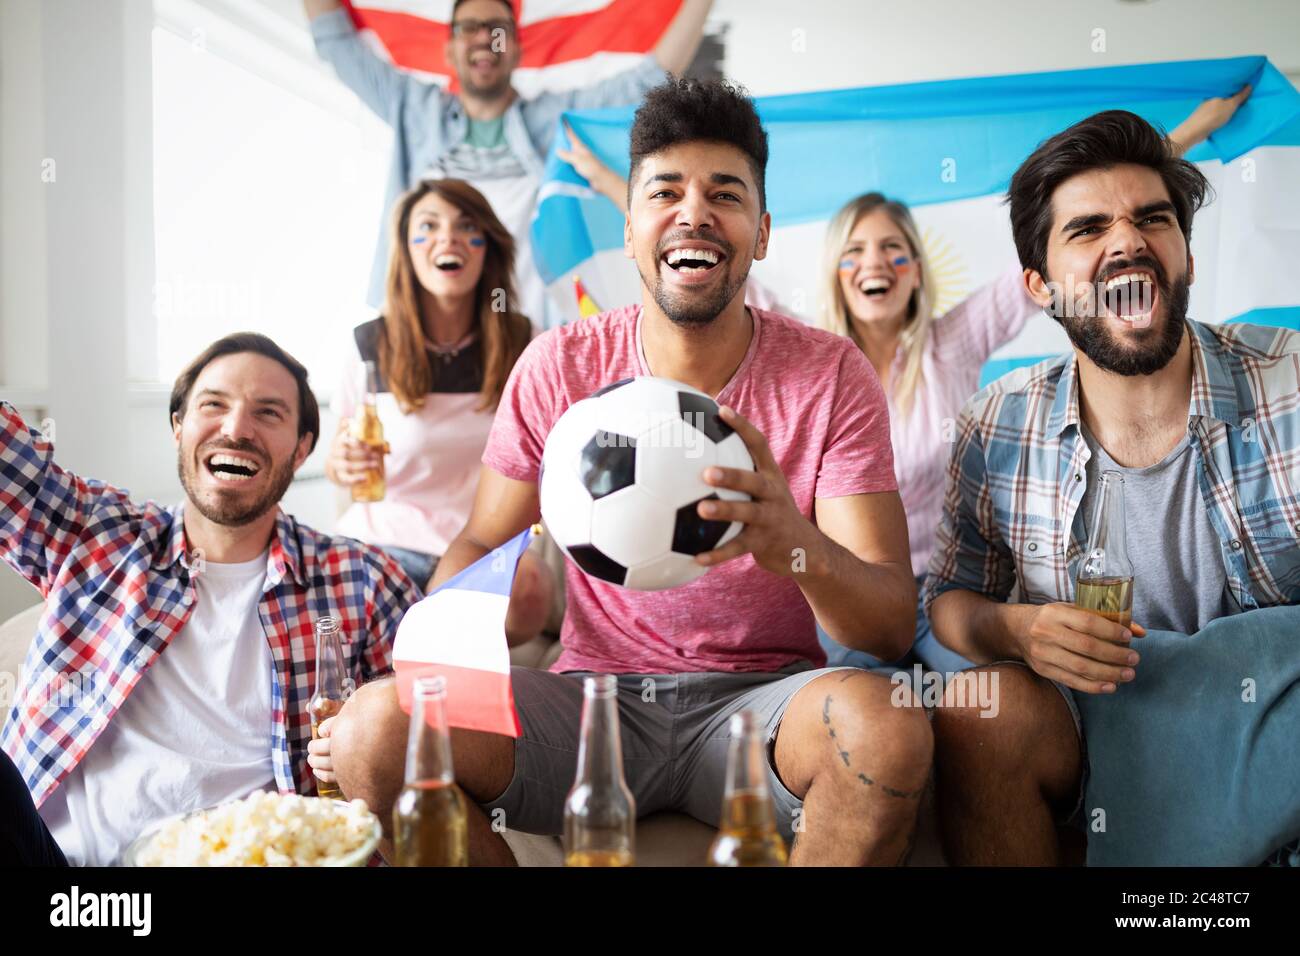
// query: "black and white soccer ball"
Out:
[622,472]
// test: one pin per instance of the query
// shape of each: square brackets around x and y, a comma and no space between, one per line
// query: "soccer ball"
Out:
[622,474]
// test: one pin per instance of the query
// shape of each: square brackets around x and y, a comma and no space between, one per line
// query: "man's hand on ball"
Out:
[774,525]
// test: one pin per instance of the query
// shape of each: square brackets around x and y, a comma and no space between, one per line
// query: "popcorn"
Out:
[263,829]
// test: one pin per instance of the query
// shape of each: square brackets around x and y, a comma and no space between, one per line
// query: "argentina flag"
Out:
[948,150]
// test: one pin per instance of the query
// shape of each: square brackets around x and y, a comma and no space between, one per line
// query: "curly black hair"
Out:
[1103,140]
[688,110]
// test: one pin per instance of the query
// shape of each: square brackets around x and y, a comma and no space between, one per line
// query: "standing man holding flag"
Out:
[486,134]
[825,539]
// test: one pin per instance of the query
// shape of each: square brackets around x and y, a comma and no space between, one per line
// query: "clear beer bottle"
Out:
[331,688]
[367,429]
[1105,582]
[430,826]
[599,812]
[747,834]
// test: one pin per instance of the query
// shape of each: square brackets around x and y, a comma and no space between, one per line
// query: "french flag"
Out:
[459,632]
[564,43]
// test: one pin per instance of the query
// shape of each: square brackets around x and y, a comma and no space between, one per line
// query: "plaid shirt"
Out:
[118,586]
[1016,476]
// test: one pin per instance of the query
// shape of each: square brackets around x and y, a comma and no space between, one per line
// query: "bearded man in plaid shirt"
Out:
[1202,421]
[174,662]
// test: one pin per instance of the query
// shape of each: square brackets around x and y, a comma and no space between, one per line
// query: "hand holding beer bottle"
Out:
[1105,582]
[1086,645]
[356,458]
[332,690]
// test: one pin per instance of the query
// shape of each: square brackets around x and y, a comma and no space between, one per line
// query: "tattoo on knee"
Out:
[862,777]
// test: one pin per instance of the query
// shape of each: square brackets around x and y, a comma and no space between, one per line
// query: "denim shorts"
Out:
[926,649]
[418,565]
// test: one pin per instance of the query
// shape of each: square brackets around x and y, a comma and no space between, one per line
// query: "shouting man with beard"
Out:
[174,662]
[1200,420]
[485,133]
[824,539]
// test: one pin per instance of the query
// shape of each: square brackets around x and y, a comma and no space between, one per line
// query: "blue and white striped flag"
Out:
[948,150]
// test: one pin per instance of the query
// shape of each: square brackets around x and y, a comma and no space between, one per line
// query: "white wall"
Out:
[76,256]
[847,43]
[75,245]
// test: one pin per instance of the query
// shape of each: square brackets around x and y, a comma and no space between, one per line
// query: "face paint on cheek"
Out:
[902,263]
[847,265]
[419,240]
[477,241]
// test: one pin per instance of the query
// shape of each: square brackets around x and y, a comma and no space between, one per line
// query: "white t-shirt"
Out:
[194,732]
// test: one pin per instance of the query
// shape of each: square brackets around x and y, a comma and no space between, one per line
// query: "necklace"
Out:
[449,352]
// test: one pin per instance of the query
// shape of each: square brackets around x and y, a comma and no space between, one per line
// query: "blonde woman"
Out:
[443,347]
[879,291]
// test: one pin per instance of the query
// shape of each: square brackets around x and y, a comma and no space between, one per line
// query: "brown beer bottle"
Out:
[430,827]
[1105,582]
[367,429]
[599,812]
[331,688]
[747,834]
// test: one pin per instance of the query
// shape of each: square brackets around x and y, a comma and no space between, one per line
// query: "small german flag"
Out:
[587,306]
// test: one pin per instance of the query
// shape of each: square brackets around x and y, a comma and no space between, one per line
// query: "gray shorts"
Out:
[674,730]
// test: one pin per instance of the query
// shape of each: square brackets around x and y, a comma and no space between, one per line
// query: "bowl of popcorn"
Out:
[262,829]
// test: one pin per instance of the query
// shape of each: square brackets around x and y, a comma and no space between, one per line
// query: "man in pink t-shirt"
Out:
[825,537]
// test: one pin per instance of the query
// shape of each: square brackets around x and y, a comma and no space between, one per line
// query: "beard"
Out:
[1156,348]
[694,310]
[226,509]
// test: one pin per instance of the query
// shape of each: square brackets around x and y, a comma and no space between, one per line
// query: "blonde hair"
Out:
[833,314]
[403,359]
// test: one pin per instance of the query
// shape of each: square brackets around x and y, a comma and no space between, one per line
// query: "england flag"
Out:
[565,43]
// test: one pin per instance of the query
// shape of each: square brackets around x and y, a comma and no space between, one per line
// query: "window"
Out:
[266,208]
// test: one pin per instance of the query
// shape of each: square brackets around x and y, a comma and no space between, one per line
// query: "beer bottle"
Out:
[430,826]
[331,688]
[599,812]
[367,429]
[747,835]
[1105,582]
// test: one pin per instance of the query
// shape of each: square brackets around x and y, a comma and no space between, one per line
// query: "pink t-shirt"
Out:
[816,399]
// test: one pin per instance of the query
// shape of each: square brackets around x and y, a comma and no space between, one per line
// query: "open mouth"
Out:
[449,262]
[693,261]
[875,287]
[225,466]
[1130,296]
